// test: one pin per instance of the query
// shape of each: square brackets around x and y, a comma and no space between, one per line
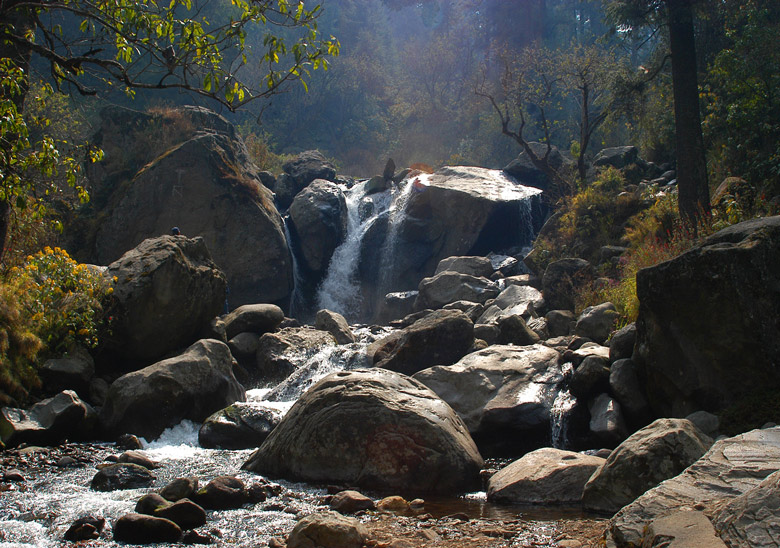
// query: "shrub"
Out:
[19,347]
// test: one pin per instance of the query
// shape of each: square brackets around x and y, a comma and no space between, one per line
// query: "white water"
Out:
[340,290]
[296,301]
[559,413]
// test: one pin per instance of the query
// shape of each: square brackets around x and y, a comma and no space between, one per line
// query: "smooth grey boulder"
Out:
[706,422]
[514,330]
[473,266]
[596,322]
[335,324]
[257,318]
[504,394]
[327,530]
[752,518]
[545,476]
[121,476]
[523,300]
[167,290]
[244,346]
[48,422]
[649,456]
[448,287]
[472,310]
[375,429]
[190,386]
[242,425]
[708,331]
[731,468]
[319,220]
[440,338]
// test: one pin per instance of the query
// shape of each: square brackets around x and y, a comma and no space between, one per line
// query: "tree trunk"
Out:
[694,193]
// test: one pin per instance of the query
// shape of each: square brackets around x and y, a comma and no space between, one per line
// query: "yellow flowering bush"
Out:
[64,299]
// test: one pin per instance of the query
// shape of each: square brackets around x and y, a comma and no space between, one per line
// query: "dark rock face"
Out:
[167,290]
[559,280]
[197,177]
[299,172]
[708,331]
[48,422]
[375,429]
[319,219]
[190,386]
[253,318]
[440,338]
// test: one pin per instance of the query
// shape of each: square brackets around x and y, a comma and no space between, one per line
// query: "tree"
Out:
[677,15]
[96,46]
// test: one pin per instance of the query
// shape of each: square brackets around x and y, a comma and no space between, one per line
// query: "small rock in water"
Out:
[85,528]
[194,537]
[13,475]
[121,476]
[184,513]
[349,502]
[223,492]
[393,505]
[135,457]
[150,503]
[128,442]
[328,530]
[276,542]
[67,462]
[142,529]
[180,488]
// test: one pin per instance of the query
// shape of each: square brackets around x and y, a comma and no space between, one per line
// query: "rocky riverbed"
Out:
[44,490]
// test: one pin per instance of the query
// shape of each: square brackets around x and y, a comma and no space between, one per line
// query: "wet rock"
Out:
[649,456]
[195,537]
[504,394]
[473,266]
[239,426]
[173,276]
[14,476]
[180,488]
[394,505]
[576,357]
[143,529]
[327,530]
[400,435]
[279,352]
[448,287]
[335,324]
[349,502]
[223,492]
[121,476]
[48,422]
[136,457]
[129,442]
[254,318]
[85,528]
[596,322]
[184,513]
[545,476]
[440,338]
[190,386]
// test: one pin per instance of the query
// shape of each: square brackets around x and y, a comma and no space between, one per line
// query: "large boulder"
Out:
[596,322]
[440,338]
[375,429]
[546,476]
[167,289]
[319,220]
[448,287]
[328,530]
[73,371]
[196,175]
[190,386]
[524,170]
[473,266]
[48,422]
[731,468]
[301,171]
[651,455]
[278,354]
[504,394]
[708,331]
[752,518]
[259,318]
[456,211]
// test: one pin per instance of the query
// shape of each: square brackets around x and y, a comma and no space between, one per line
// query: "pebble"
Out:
[13,475]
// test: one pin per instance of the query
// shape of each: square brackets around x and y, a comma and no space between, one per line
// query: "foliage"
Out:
[19,347]
[64,299]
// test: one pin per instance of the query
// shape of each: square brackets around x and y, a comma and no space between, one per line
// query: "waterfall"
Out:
[559,412]
[340,289]
[296,299]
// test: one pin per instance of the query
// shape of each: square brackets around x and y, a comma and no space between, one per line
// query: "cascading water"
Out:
[340,290]
[559,413]
[296,300]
